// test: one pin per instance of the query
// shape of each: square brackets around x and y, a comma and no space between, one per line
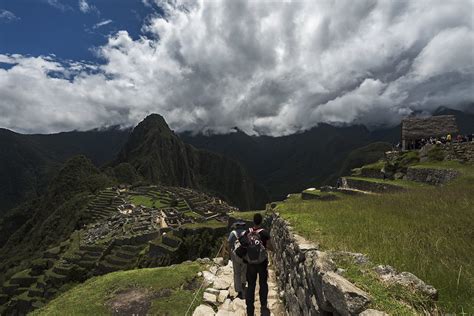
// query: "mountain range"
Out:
[280,165]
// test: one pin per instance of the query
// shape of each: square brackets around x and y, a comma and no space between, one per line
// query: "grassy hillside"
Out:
[157,291]
[427,231]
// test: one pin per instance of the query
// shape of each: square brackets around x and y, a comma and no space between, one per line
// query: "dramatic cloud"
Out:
[264,66]
[7,16]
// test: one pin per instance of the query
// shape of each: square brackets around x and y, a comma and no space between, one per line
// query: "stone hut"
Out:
[416,128]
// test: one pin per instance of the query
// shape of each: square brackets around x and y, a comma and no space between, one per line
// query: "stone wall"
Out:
[461,151]
[371,186]
[308,277]
[431,175]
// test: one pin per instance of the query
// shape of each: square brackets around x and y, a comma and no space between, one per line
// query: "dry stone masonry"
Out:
[311,283]
[459,151]
[432,176]
[308,277]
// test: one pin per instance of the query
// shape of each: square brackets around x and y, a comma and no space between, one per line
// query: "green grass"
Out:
[427,231]
[192,214]
[90,297]
[147,201]
[376,165]
[210,224]
[398,182]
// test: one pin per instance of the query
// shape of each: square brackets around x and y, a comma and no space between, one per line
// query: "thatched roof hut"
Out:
[415,128]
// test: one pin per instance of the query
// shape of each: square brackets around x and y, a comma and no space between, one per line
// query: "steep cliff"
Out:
[161,157]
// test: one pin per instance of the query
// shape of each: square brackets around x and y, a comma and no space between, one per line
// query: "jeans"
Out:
[239,272]
[252,271]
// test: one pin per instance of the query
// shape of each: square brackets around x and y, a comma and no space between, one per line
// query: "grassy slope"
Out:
[427,231]
[90,297]
[146,201]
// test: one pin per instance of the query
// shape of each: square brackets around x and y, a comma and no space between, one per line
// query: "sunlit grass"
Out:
[428,231]
[90,297]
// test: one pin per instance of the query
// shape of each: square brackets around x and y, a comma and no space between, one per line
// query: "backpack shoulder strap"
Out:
[258,231]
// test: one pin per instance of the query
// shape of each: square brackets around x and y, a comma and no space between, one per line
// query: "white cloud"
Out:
[102,23]
[85,7]
[7,16]
[264,66]
[58,4]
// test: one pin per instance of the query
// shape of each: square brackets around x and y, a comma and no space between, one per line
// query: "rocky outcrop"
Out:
[432,176]
[307,277]
[406,279]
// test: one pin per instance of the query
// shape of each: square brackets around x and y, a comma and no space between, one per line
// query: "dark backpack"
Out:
[255,252]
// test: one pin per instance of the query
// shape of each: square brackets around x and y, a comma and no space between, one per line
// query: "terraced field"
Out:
[121,229]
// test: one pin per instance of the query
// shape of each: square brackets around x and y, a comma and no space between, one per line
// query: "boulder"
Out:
[345,298]
[204,310]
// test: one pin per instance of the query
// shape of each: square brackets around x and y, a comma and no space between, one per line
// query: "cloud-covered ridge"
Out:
[264,66]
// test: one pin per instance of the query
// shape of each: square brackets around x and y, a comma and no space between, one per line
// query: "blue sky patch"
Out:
[70,29]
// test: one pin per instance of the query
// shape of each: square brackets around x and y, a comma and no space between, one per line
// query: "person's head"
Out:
[257,219]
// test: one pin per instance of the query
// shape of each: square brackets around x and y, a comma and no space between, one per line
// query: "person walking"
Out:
[257,241]
[240,268]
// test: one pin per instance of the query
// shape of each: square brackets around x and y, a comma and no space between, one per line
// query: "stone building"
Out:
[416,128]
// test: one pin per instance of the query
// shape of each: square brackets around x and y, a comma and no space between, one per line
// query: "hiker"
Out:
[256,241]
[448,138]
[240,268]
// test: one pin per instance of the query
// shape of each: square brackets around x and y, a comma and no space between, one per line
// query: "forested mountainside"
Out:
[160,156]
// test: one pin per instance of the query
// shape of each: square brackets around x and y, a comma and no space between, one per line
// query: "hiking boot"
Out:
[264,311]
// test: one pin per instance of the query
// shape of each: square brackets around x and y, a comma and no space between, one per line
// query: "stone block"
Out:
[345,298]
[209,298]
[204,310]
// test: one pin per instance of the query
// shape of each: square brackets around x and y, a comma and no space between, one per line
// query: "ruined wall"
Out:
[308,278]
[461,151]
[431,175]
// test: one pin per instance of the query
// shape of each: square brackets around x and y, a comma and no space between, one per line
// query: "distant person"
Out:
[448,138]
[255,243]
[239,266]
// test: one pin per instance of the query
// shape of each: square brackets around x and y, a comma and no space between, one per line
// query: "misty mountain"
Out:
[312,158]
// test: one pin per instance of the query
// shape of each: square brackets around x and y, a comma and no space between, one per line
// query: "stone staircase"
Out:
[221,295]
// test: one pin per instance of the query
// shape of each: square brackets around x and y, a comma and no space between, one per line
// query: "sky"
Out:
[266,67]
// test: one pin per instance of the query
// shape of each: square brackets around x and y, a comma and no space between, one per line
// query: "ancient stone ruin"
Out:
[416,128]
[122,228]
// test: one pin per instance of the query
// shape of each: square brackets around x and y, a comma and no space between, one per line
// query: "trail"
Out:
[221,294]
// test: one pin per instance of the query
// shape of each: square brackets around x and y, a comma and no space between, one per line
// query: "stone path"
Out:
[220,293]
